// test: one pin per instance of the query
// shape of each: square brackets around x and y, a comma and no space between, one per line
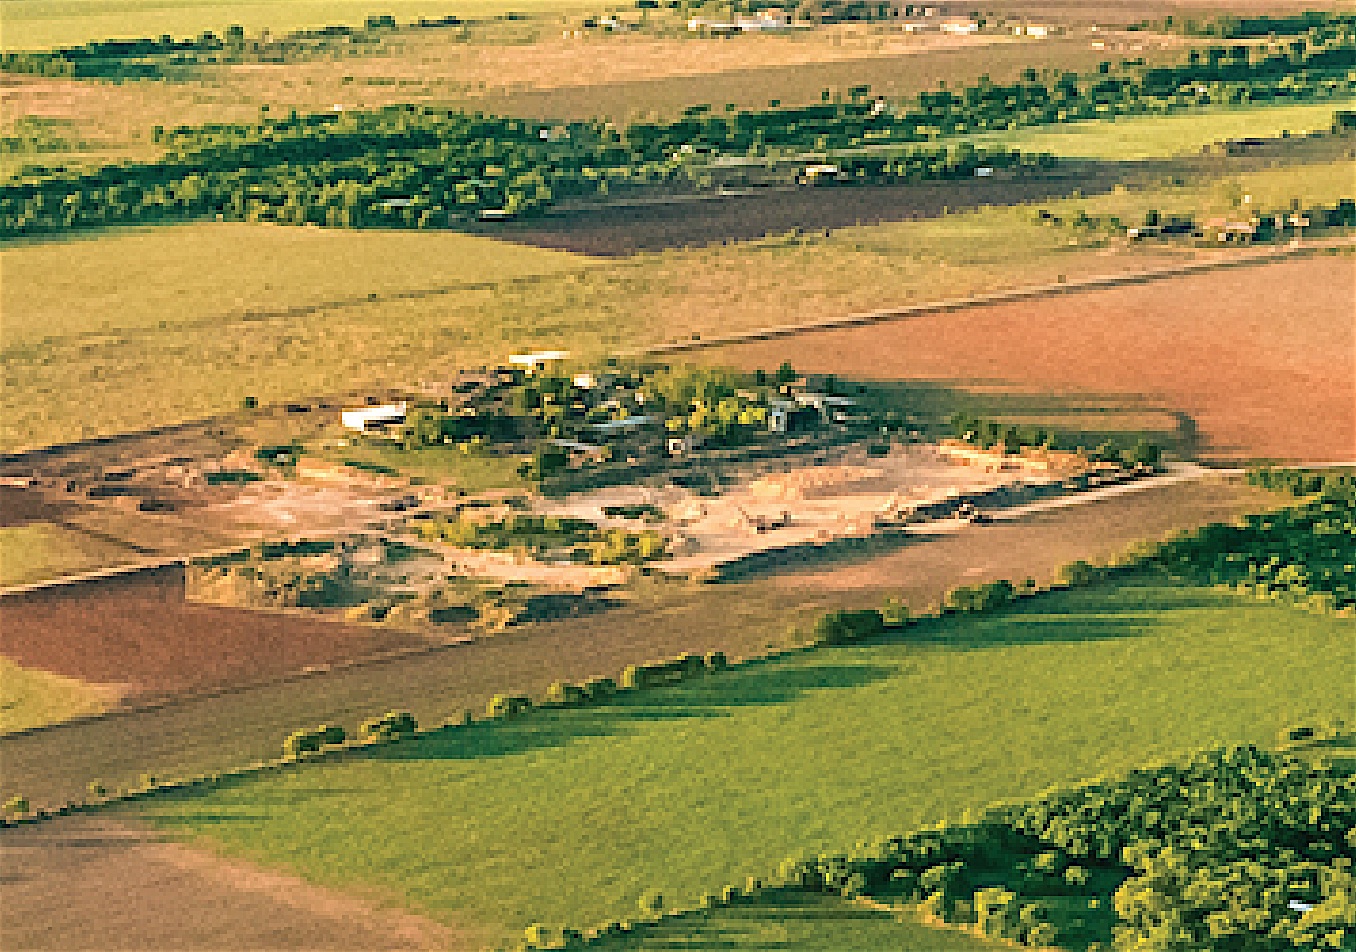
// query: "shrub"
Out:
[390,726]
[650,902]
[506,705]
[846,626]
[17,806]
[564,693]
[716,661]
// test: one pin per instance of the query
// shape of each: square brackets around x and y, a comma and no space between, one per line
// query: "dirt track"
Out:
[1262,358]
[91,883]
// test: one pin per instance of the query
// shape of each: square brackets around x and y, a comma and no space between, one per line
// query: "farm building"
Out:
[374,419]
[539,360]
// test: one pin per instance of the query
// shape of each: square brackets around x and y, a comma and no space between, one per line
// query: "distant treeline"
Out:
[1230,27]
[160,57]
[408,166]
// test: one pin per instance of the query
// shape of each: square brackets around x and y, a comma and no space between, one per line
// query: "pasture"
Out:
[566,816]
[1159,137]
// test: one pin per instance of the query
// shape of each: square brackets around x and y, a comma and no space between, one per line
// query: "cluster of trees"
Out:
[584,540]
[1231,27]
[1013,438]
[1305,553]
[1304,482]
[1237,849]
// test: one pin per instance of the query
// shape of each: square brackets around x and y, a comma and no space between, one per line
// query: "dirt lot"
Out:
[88,883]
[1262,358]
[137,633]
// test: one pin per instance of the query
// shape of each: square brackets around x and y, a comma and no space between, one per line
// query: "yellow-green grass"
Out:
[1159,137]
[30,698]
[566,817]
[436,464]
[131,329]
[800,922]
[40,550]
[42,24]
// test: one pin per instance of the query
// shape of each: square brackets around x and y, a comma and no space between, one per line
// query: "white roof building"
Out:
[364,419]
[539,359]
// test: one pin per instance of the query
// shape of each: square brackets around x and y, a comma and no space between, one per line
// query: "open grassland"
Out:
[42,24]
[39,550]
[567,816]
[31,697]
[137,634]
[1157,137]
[1260,358]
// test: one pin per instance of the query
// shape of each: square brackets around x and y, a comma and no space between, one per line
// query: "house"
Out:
[766,20]
[615,427]
[539,360]
[814,174]
[960,27]
[374,419]
[1037,31]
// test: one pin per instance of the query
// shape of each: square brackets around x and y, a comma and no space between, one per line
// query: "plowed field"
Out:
[1262,358]
[138,633]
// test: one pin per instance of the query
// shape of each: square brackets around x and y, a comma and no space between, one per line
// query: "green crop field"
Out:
[29,698]
[1159,137]
[565,817]
[42,24]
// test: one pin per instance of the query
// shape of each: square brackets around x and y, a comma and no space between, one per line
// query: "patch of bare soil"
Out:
[1262,358]
[92,883]
[137,631]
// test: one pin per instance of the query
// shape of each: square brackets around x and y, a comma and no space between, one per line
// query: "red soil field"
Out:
[137,632]
[1263,358]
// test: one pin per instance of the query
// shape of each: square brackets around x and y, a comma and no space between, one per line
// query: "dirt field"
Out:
[88,883]
[1262,358]
[621,231]
[137,633]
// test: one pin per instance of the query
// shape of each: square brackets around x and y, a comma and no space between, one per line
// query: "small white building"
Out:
[960,27]
[376,418]
[539,360]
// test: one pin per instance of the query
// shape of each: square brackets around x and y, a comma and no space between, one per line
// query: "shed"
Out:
[375,418]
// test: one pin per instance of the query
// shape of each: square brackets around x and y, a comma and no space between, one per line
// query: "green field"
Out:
[565,817]
[1160,137]
[29,698]
[804,922]
[41,24]
[40,551]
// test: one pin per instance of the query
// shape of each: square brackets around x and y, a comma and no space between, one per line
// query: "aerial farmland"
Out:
[832,476]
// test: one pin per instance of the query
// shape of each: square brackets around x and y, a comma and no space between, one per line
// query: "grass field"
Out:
[565,817]
[29,697]
[806,922]
[40,24]
[1160,137]
[37,551]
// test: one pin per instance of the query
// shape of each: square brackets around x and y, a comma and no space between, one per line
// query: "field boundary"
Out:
[1034,292]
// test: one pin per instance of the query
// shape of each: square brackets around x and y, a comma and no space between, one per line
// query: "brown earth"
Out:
[1262,358]
[136,632]
[21,507]
[89,883]
[625,230]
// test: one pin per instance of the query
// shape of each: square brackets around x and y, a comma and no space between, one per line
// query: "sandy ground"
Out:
[93,883]
[1262,358]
